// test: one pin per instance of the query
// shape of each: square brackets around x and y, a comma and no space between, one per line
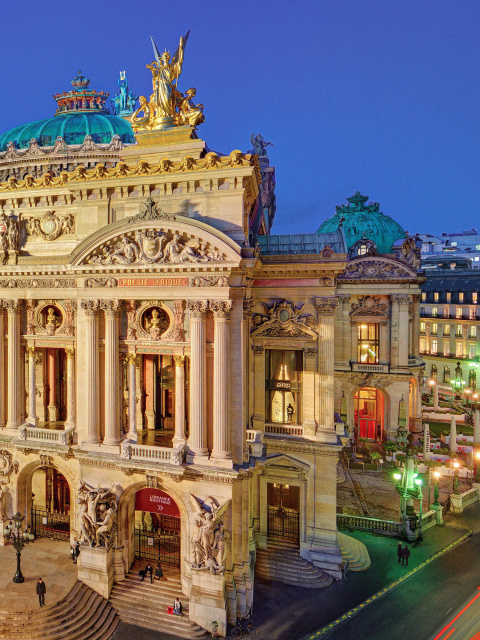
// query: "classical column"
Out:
[2,371]
[70,421]
[132,397]
[221,445]
[112,421]
[179,437]
[52,382]
[197,442]
[403,327]
[326,337]
[91,382]
[416,326]
[13,386]
[32,388]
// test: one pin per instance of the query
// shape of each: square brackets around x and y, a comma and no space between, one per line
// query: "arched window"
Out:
[472,379]
[434,372]
[446,374]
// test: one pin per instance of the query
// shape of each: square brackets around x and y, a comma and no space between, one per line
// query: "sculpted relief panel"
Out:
[50,226]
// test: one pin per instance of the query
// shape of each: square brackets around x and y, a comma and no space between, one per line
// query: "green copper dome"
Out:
[360,220]
[72,127]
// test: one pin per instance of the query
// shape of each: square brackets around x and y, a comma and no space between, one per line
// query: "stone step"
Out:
[160,600]
[282,562]
[188,633]
[354,551]
[81,615]
[305,569]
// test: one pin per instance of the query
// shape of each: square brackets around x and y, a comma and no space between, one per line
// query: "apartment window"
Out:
[459,350]
[472,352]
[368,343]
[446,374]
[422,327]
[423,344]
[446,349]
[472,332]
[459,312]
[449,296]
[460,297]
[435,296]
[446,312]
[473,314]
[283,385]
[434,372]
[434,312]
[446,329]
[434,330]
[434,348]
[474,297]
[459,331]
[424,296]
[472,379]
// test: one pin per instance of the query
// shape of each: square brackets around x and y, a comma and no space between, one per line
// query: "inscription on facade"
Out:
[153,282]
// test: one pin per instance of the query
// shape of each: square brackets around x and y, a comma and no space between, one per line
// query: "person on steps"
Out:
[148,571]
[159,573]
[41,591]
[177,607]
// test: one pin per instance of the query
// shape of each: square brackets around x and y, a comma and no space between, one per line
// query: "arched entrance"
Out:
[50,504]
[369,413]
[157,527]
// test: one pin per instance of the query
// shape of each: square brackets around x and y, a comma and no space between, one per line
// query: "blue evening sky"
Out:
[382,96]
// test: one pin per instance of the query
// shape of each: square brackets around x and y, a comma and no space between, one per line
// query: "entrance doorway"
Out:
[283,504]
[157,527]
[50,513]
[159,393]
[369,413]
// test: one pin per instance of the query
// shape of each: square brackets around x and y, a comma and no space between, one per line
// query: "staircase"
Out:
[281,562]
[82,615]
[145,604]
[354,551]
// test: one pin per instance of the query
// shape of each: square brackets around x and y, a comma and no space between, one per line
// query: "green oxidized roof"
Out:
[72,127]
[360,220]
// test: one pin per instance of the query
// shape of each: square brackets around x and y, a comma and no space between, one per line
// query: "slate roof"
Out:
[302,243]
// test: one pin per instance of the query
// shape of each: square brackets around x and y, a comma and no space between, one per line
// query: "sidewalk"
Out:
[46,559]
[284,612]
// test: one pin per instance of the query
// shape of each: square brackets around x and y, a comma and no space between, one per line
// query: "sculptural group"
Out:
[97,515]
[209,539]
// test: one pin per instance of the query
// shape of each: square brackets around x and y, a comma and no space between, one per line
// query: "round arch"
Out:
[369,409]
[23,493]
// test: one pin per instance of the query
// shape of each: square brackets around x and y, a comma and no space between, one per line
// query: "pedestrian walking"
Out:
[399,552]
[75,551]
[41,591]
[406,555]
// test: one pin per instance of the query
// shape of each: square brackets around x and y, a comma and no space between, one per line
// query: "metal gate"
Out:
[47,524]
[283,523]
[157,546]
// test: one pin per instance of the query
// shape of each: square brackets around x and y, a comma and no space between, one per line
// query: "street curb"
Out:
[382,592]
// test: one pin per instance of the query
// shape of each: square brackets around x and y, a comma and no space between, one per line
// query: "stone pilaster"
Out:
[32,388]
[52,381]
[326,336]
[310,405]
[258,421]
[70,421]
[179,437]
[344,340]
[92,435]
[197,442]
[13,355]
[394,335]
[112,419]
[221,436]
[132,397]
[400,304]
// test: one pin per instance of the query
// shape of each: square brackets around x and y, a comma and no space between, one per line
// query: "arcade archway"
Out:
[157,527]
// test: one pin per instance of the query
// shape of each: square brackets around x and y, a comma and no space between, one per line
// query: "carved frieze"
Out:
[50,226]
[101,282]
[376,269]
[38,283]
[283,320]
[209,281]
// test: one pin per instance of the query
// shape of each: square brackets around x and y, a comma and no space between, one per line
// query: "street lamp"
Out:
[431,384]
[467,392]
[475,399]
[418,483]
[456,466]
[476,465]
[19,539]
[436,488]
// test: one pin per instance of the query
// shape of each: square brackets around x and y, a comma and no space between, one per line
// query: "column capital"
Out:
[13,306]
[110,307]
[70,351]
[198,308]
[221,308]
[30,350]
[131,358]
[258,349]
[326,306]
[401,299]
[90,306]
[344,298]
[179,359]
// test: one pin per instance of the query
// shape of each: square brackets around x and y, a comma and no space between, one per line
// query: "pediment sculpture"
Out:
[50,226]
[209,540]
[97,515]
[374,269]
[369,306]
[284,320]
[155,247]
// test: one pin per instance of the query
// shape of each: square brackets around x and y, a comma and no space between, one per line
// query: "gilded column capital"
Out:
[30,351]
[198,308]
[179,360]
[70,351]
[110,307]
[90,307]
[326,306]
[248,306]
[131,358]
[221,308]
[400,298]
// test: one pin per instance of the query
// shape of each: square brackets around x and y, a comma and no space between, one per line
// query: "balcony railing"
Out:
[29,433]
[146,453]
[448,316]
[360,366]
[283,430]
[415,425]
[385,527]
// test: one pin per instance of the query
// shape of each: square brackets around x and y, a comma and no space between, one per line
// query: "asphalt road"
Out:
[464,624]
[420,607]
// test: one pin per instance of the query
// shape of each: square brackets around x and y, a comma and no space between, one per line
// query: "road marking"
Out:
[456,618]
[450,633]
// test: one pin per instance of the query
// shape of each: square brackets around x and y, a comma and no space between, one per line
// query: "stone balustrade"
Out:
[35,434]
[255,442]
[146,453]
[459,502]
[283,430]
[386,527]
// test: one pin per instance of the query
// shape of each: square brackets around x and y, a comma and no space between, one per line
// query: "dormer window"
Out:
[362,250]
